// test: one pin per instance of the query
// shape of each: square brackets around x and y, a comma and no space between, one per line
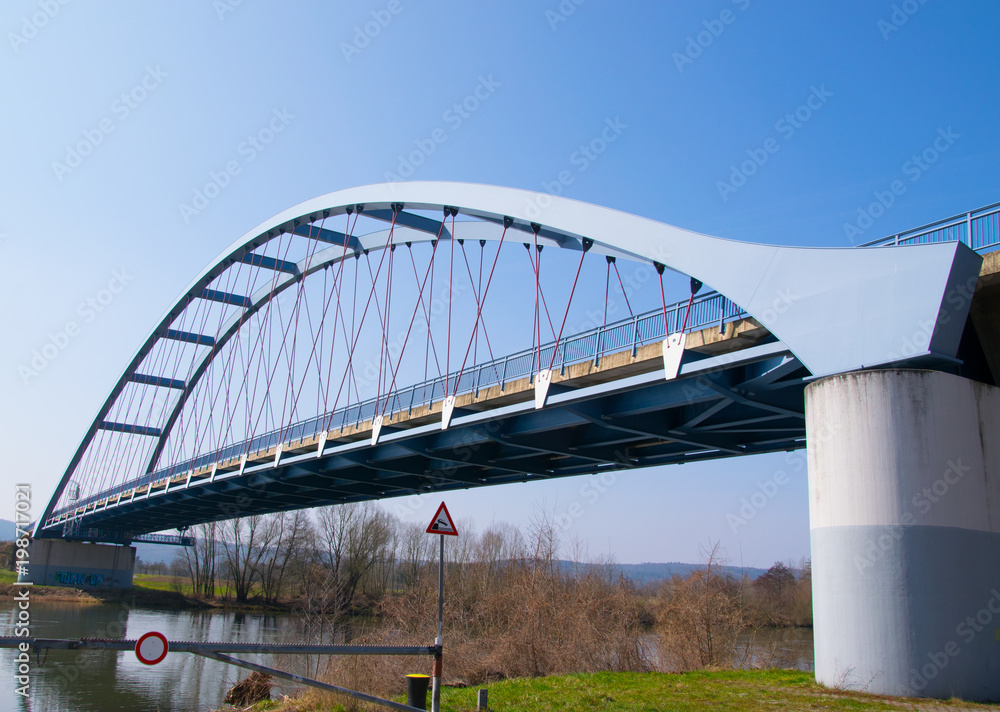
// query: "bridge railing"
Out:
[978,229]
[707,310]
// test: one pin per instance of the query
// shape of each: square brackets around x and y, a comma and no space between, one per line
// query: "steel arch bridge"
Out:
[404,338]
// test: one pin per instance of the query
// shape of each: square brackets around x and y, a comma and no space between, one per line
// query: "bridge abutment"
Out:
[904,488]
[56,562]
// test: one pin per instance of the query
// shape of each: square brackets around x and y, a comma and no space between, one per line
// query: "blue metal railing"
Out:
[710,309]
[978,229]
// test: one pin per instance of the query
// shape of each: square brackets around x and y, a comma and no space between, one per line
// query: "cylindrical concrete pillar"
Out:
[904,490]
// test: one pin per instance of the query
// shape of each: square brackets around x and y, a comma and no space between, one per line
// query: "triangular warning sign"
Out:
[442,523]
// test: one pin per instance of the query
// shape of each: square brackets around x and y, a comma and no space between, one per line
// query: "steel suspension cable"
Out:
[396,209]
[587,244]
[481,302]
[620,284]
[451,292]
[476,294]
[430,348]
[339,283]
[413,318]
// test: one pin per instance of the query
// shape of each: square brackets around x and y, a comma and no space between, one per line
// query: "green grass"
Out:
[724,691]
[7,576]
[169,583]
[162,583]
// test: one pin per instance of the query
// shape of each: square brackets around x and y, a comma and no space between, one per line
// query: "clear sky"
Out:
[830,102]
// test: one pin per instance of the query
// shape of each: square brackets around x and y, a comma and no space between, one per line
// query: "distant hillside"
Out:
[151,553]
[642,574]
[7,530]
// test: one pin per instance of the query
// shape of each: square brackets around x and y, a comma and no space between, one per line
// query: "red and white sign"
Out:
[442,523]
[151,648]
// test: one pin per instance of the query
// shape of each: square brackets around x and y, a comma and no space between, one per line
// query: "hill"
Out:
[647,573]
[7,530]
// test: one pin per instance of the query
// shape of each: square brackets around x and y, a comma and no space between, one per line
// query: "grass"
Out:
[724,691]
[7,576]
[163,583]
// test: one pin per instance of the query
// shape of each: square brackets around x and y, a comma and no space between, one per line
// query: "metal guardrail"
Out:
[191,646]
[978,229]
[710,309]
[215,652]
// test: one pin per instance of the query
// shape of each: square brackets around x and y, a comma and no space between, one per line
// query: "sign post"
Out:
[442,524]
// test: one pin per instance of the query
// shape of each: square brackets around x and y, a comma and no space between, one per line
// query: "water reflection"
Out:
[105,681]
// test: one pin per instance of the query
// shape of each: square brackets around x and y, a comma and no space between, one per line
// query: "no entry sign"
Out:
[151,648]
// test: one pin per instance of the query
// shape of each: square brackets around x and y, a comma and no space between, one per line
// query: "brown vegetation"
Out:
[513,608]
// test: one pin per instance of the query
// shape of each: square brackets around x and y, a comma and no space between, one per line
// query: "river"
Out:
[104,681]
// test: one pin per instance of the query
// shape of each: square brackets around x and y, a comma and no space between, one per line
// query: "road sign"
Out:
[151,648]
[442,523]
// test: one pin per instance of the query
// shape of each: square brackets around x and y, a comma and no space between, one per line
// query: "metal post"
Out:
[483,701]
[436,679]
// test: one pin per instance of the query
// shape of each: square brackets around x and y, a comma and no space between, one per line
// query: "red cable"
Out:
[607,287]
[663,299]
[339,284]
[624,293]
[427,316]
[545,304]
[451,291]
[486,334]
[407,337]
[686,312]
[538,325]
[555,348]
[480,304]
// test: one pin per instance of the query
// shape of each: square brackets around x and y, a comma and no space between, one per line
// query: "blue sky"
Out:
[829,102]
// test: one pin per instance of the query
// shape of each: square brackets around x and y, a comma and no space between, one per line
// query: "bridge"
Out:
[408,338]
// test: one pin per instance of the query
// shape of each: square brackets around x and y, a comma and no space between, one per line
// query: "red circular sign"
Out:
[151,648]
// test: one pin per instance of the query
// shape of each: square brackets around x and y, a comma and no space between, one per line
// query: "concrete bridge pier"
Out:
[56,562]
[904,488]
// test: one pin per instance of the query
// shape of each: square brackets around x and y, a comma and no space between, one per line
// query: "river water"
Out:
[106,681]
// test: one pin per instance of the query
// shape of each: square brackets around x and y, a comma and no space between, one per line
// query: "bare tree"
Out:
[701,617]
[202,559]
[413,552]
[353,539]
[245,542]
[291,530]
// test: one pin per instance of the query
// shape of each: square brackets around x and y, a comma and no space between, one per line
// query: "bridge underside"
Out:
[738,393]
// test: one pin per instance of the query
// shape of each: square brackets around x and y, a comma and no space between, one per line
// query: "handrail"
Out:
[958,228]
[709,309]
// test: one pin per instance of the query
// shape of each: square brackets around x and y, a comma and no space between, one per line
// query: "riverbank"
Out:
[722,691]
[135,596]
[147,591]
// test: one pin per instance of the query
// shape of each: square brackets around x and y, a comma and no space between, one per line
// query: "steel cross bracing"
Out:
[738,399]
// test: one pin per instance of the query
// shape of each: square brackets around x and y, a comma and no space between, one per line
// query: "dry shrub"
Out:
[513,611]
[255,688]
[703,620]
[510,611]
